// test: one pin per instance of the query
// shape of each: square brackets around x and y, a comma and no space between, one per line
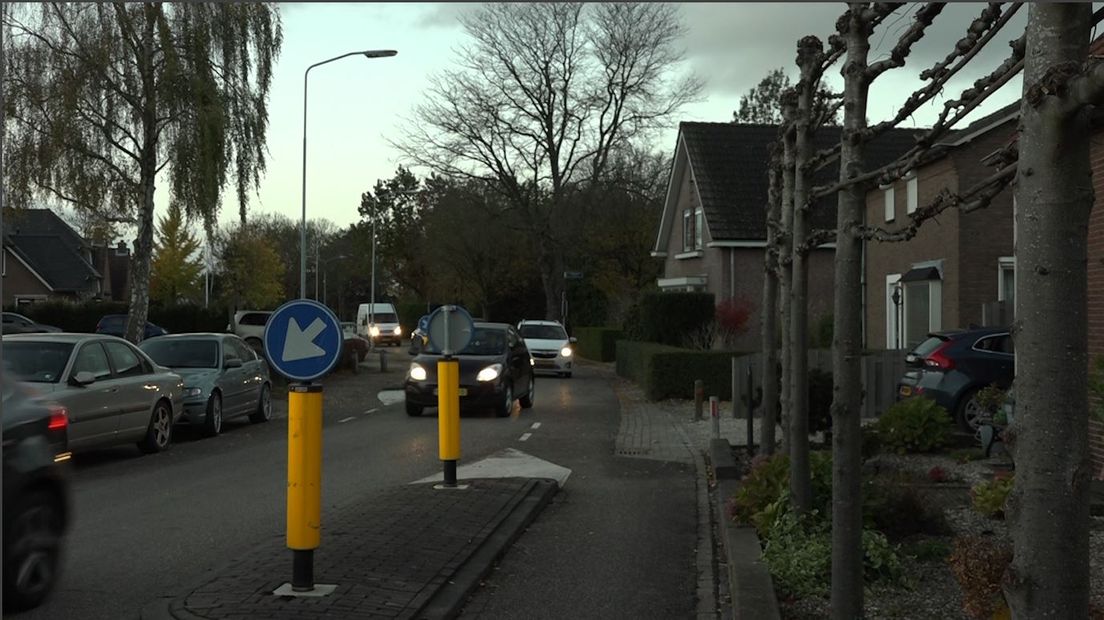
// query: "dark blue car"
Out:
[115,325]
[951,366]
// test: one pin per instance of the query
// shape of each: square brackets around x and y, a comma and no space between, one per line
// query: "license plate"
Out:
[906,390]
[463,392]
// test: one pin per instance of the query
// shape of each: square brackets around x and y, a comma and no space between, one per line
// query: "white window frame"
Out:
[687,230]
[699,226]
[912,189]
[890,203]
[935,308]
[1005,263]
[894,313]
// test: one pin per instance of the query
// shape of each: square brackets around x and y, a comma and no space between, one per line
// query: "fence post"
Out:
[735,387]
[714,412]
[750,413]
[699,394]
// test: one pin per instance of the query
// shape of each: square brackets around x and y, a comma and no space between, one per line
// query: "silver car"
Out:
[223,377]
[114,393]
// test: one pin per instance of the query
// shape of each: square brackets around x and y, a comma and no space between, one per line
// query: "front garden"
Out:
[935,541]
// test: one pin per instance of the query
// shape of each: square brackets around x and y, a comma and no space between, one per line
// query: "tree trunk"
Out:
[784,275]
[551,272]
[1048,509]
[847,518]
[139,273]
[809,49]
[769,372]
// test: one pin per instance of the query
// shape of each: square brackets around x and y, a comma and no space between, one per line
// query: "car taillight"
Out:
[59,418]
[938,358]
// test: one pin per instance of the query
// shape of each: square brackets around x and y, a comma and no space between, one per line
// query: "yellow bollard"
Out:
[448,416]
[304,486]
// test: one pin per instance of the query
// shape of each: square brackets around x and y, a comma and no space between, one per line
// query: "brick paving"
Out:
[389,556]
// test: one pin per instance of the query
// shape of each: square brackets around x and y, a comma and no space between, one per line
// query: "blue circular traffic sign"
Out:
[450,329]
[303,340]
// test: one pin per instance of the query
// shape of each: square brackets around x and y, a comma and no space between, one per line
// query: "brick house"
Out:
[957,263]
[1095,310]
[44,258]
[712,233]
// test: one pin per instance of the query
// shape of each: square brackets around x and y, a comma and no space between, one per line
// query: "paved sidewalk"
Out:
[410,552]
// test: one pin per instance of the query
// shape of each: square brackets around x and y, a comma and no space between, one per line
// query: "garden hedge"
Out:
[597,343]
[663,371]
[83,317]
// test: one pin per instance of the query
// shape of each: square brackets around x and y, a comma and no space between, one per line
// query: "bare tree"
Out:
[770,304]
[1049,508]
[103,96]
[541,97]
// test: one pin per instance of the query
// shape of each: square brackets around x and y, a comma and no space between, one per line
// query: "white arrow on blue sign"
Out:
[303,339]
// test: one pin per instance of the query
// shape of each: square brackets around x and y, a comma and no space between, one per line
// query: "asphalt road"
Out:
[620,535]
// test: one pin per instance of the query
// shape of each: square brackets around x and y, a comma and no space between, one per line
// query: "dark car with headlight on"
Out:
[495,370]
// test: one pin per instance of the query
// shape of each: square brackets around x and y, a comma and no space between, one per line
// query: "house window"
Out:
[913,191]
[922,302]
[893,304]
[1006,279]
[687,231]
[699,226]
[890,207]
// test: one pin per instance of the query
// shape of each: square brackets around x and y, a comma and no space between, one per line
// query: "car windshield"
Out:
[37,362]
[543,332]
[925,348]
[385,317]
[179,353]
[484,341]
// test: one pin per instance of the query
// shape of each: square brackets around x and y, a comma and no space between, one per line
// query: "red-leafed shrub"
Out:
[937,474]
[732,316]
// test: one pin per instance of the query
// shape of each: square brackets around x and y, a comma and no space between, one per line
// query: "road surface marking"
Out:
[370,411]
[535,425]
[346,419]
[525,437]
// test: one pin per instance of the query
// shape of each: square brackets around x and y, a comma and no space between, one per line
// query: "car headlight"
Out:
[417,373]
[532,362]
[490,373]
[193,391]
[373,331]
[565,352]
[398,330]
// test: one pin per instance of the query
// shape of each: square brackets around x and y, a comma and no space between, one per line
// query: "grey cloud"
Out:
[444,15]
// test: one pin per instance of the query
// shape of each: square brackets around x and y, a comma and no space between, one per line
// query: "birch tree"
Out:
[101,97]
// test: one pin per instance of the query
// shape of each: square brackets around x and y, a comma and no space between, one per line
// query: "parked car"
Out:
[356,347]
[549,345]
[114,392]
[14,323]
[115,325]
[495,370]
[951,366]
[379,323]
[249,325]
[36,494]
[223,378]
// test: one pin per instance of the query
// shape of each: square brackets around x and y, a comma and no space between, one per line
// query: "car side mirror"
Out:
[573,340]
[232,362]
[83,378]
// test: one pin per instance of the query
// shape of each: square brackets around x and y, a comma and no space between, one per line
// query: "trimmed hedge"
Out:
[668,318]
[597,343]
[663,371]
[83,317]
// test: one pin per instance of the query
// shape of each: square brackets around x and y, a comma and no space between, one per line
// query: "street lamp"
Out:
[303,223]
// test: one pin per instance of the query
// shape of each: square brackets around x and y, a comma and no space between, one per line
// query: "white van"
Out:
[380,323]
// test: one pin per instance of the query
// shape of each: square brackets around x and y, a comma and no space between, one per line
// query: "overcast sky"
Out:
[356,104]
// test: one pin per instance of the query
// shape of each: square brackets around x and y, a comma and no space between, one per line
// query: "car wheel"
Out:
[264,407]
[31,549]
[413,410]
[507,406]
[159,434]
[528,400]
[212,424]
[968,413]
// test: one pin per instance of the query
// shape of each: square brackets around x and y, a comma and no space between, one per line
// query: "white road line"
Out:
[525,437]
[346,419]
[370,411]
[535,425]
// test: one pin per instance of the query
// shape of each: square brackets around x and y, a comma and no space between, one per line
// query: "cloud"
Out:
[444,15]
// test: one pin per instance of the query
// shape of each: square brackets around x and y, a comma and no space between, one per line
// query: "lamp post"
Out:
[303,223]
[325,282]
